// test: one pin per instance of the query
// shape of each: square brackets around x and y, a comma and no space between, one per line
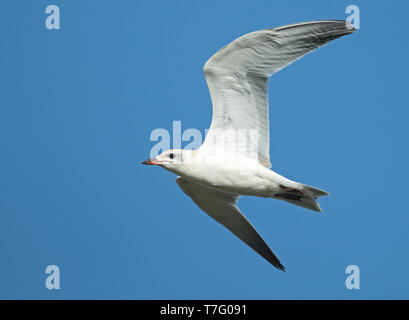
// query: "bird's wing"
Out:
[237,77]
[221,206]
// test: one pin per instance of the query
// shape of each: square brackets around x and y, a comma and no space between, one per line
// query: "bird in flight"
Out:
[234,159]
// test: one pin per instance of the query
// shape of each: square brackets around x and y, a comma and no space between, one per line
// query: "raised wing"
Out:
[221,206]
[237,77]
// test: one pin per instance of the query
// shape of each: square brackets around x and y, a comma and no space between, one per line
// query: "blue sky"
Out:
[77,107]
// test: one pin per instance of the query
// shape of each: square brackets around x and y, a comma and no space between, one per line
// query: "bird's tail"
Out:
[305,197]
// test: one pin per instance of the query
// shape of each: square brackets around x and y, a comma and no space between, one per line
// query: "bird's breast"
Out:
[238,180]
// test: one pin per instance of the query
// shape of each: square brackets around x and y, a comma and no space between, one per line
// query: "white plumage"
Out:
[234,159]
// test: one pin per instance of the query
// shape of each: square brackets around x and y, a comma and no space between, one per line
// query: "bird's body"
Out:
[243,177]
[234,159]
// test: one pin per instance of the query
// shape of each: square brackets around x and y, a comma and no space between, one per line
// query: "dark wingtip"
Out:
[277,264]
[281,267]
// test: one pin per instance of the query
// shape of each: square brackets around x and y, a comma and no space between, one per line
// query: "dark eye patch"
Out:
[171,155]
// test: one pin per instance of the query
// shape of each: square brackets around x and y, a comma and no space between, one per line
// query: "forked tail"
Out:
[304,196]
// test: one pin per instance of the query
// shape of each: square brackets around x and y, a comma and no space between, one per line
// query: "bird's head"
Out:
[171,159]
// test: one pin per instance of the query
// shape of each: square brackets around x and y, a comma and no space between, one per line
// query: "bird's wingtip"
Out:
[282,268]
[351,28]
